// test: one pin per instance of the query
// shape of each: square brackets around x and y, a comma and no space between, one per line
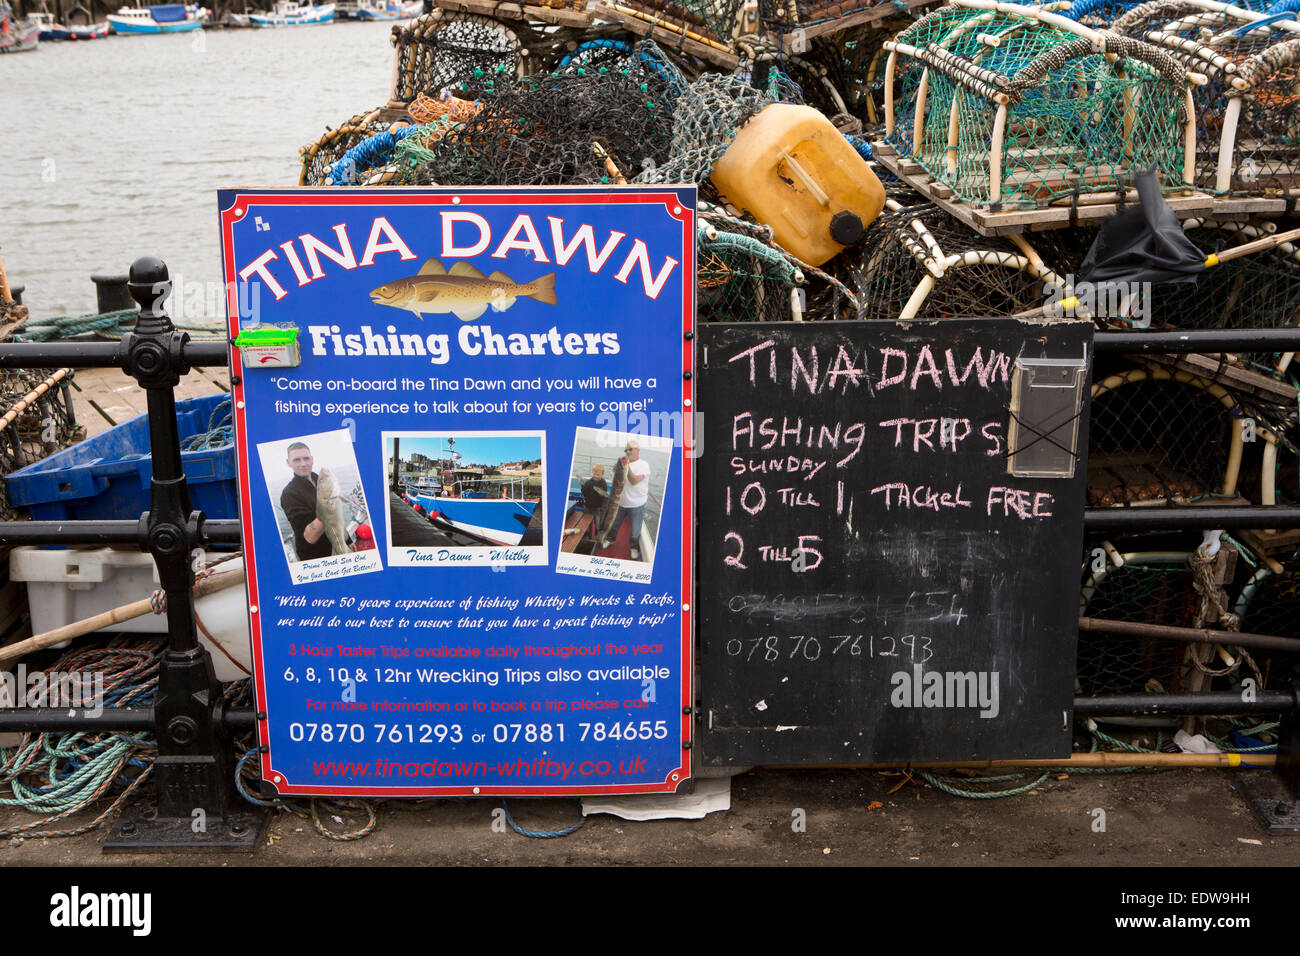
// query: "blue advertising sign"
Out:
[463,422]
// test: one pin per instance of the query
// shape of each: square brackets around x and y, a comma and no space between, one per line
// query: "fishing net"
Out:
[1248,111]
[574,126]
[859,59]
[36,420]
[440,53]
[919,262]
[1011,111]
[1269,603]
[740,278]
[1151,587]
[317,156]
[1261,290]
[1160,435]
[706,115]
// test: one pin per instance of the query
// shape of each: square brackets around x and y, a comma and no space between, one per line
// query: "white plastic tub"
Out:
[68,585]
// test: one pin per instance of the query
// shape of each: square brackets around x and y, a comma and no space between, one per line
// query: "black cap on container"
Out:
[847,228]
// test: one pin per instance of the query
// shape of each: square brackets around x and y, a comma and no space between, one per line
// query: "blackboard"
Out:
[874,582]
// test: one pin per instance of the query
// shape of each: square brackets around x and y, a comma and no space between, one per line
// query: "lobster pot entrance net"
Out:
[920,262]
[580,125]
[1013,112]
[1152,588]
[36,420]
[439,54]
[1158,436]
[1248,111]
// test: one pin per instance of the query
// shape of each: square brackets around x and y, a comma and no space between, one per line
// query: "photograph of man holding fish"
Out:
[616,489]
[315,489]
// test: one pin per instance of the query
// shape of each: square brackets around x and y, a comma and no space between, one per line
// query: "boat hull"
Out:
[27,36]
[499,520]
[319,15]
[122,25]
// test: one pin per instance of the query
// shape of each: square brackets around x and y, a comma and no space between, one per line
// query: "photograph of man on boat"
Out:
[314,485]
[616,489]
[468,498]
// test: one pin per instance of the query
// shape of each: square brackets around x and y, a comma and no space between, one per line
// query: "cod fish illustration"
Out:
[461,290]
[330,511]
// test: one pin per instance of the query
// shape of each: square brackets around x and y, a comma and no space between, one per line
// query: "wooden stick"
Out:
[1074,760]
[5,294]
[1259,245]
[30,397]
[670,27]
[218,582]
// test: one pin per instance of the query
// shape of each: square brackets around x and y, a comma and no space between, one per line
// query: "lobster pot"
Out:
[1137,586]
[598,127]
[36,420]
[1162,436]
[1256,291]
[1248,111]
[458,54]
[333,143]
[1097,14]
[1018,108]
[920,262]
[1269,603]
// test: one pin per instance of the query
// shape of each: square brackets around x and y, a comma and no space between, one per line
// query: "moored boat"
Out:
[388,9]
[51,29]
[496,511]
[17,36]
[159,18]
[290,13]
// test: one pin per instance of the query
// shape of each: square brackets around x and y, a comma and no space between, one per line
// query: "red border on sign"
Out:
[244,202]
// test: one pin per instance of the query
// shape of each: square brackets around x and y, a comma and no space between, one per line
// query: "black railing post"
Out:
[193,772]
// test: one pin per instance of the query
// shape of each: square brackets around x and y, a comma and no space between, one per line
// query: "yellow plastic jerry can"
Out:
[789,168]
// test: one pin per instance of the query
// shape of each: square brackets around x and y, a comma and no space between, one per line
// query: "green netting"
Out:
[1259,68]
[1013,112]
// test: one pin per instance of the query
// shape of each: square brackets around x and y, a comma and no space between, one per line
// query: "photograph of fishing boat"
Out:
[615,498]
[314,486]
[477,496]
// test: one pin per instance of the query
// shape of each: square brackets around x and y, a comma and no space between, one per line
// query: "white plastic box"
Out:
[68,585]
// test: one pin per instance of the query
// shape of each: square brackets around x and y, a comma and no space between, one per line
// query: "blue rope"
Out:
[862,145]
[1276,17]
[505,805]
[617,45]
[1284,6]
[1082,8]
[366,155]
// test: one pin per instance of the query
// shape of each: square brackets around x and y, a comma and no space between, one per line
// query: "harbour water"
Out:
[115,149]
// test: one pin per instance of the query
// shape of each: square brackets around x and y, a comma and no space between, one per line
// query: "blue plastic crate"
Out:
[108,476]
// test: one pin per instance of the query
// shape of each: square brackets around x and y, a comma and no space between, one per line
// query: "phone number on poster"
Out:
[455,733]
